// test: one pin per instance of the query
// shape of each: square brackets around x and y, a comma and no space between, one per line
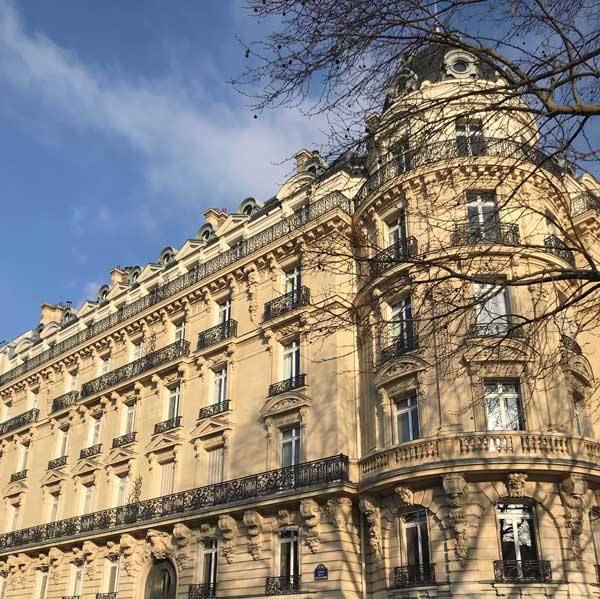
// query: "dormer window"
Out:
[103,294]
[460,65]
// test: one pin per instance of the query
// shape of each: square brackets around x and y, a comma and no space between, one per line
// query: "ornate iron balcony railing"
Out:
[400,346]
[202,591]
[412,576]
[282,585]
[254,243]
[220,332]
[501,328]
[19,421]
[213,409]
[500,233]
[68,399]
[398,252]
[286,303]
[445,150]
[572,345]
[125,439]
[555,245]
[16,476]
[265,484]
[284,386]
[88,452]
[156,358]
[584,201]
[167,425]
[522,571]
[106,595]
[57,462]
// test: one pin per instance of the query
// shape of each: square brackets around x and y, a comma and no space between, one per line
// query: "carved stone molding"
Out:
[229,530]
[404,494]
[515,484]
[132,551]
[572,492]
[182,536]
[159,544]
[339,511]
[55,561]
[372,514]
[311,512]
[455,487]
[254,525]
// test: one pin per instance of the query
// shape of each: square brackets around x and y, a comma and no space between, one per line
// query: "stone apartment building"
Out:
[198,431]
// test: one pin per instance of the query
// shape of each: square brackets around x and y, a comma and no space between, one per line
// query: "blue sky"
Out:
[118,130]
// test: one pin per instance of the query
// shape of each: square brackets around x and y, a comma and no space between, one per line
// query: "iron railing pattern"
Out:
[106,595]
[125,439]
[202,591]
[472,234]
[401,345]
[16,476]
[286,303]
[597,568]
[318,472]
[282,585]
[572,345]
[448,149]
[213,409]
[293,382]
[522,571]
[88,452]
[411,576]
[555,245]
[18,421]
[584,201]
[501,328]
[401,251]
[218,333]
[167,425]
[57,462]
[152,360]
[68,399]
[254,243]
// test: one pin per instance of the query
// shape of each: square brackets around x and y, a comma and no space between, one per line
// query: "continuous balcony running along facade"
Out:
[192,432]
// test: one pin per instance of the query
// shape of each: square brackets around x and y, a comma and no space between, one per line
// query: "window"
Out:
[121,485]
[129,421]
[469,138]
[224,311]
[173,402]
[517,533]
[503,406]
[289,564]
[416,541]
[24,456]
[63,442]
[77,585]
[290,446]
[54,507]
[291,360]
[73,380]
[2,587]
[180,331]
[104,365]
[42,585]
[34,399]
[579,408]
[95,431]
[396,229]
[15,512]
[407,419]
[216,460]
[492,311]
[167,478]
[220,385]
[401,328]
[402,154]
[137,350]
[112,578]
[292,280]
[483,218]
[209,562]
[87,499]
[7,412]
[595,525]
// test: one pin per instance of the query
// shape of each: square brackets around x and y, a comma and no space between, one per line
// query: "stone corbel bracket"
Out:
[311,513]
[254,524]
[229,530]
[372,514]
[455,487]
[572,494]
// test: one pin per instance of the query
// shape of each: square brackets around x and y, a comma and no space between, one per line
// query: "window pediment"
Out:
[282,404]
[211,427]
[15,488]
[393,370]
[53,477]
[163,441]
[86,465]
[579,372]
[119,455]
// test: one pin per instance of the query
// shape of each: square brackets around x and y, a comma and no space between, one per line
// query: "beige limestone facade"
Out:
[202,430]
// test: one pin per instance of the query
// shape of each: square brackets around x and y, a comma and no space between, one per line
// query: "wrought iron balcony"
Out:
[18,421]
[400,346]
[522,571]
[282,585]
[501,328]
[16,476]
[441,151]
[582,202]
[254,243]
[167,425]
[294,382]
[480,234]
[202,591]
[222,331]
[401,251]
[570,344]
[597,568]
[412,576]
[88,452]
[106,595]
[125,439]
[157,358]
[212,410]
[555,245]
[68,399]
[249,488]
[57,462]
[70,597]
[286,303]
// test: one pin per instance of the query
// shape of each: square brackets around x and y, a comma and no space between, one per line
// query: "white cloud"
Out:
[195,148]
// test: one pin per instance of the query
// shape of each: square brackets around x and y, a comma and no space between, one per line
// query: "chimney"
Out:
[118,276]
[50,313]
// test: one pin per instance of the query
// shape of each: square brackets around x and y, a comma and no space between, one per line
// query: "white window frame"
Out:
[77,581]
[62,447]
[401,321]
[493,313]
[502,395]
[292,279]
[137,350]
[210,552]
[224,311]
[294,441]
[219,393]
[179,331]
[121,490]
[290,363]
[167,478]
[24,449]
[215,460]
[95,433]
[104,365]
[42,585]
[54,507]
[412,406]
[290,537]
[73,380]
[423,519]
[112,566]
[396,229]
[173,401]
[129,418]
[3,585]
[514,518]
[87,500]
[14,517]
